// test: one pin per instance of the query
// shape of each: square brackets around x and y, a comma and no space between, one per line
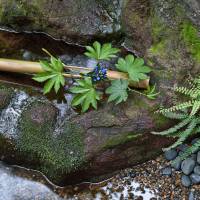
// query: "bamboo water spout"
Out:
[18,66]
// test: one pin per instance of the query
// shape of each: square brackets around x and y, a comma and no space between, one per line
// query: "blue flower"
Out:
[99,73]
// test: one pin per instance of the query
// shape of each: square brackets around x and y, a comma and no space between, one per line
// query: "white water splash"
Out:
[133,188]
[10,115]
[65,112]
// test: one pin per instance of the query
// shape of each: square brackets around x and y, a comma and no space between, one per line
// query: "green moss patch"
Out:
[54,155]
[190,35]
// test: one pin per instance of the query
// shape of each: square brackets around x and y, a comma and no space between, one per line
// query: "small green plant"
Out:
[187,114]
[86,95]
[118,91]
[52,75]
[101,52]
[134,67]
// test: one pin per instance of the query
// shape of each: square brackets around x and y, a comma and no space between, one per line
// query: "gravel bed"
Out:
[142,182]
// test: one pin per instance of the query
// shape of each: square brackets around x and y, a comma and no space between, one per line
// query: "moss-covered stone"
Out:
[55,154]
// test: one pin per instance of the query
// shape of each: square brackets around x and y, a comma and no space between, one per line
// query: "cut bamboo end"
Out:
[18,66]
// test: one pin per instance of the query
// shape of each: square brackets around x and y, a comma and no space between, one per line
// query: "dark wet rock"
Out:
[198,157]
[177,165]
[171,154]
[197,170]
[167,171]
[185,180]
[195,178]
[76,21]
[187,166]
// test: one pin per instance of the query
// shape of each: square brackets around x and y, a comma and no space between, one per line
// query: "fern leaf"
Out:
[174,128]
[172,115]
[195,108]
[185,91]
[178,107]
[189,151]
[184,135]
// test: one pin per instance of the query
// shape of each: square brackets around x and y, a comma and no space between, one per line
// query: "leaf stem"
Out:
[136,91]
[72,75]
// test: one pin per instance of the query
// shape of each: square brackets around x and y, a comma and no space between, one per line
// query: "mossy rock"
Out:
[6,95]
[55,154]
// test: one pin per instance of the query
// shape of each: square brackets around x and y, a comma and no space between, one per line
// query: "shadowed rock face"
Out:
[63,19]
[113,137]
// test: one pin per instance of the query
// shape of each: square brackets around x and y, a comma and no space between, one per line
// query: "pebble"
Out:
[197,170]
[182,147]
[177,165]
[187,166]
[27,55]
[195,178]
[166,171]
[193,156]
[171,154]
[185,180]
[191,196]
[198,157]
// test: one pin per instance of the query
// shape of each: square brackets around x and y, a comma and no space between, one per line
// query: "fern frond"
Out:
[195,108]
[184,135]
[189,151]
[174,128]
[172,115]
[178,107]
[186,91]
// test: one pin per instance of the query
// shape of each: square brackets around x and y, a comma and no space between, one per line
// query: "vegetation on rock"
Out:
[85,90]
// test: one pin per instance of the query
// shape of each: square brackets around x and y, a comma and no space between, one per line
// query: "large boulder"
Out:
[68,147]
[83,147]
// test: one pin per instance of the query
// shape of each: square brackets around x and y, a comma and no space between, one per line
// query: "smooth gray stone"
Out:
[191,195]
[187,166]
[198,157]
[177,165]
[171,154]
[197,170]
[182,147]
[195,178]
[185,180]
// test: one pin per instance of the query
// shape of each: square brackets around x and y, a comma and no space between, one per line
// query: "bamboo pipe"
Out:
[19,66]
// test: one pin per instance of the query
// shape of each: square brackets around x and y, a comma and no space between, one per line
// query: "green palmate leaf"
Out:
[134,67]
[101,52]
[85,94]
[118,91]
[52,75]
